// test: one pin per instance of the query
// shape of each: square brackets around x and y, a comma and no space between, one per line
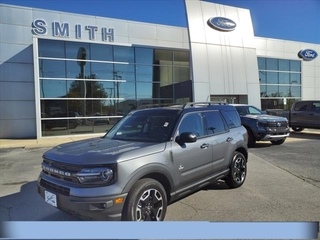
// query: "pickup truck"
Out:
[261,126]
[303,114]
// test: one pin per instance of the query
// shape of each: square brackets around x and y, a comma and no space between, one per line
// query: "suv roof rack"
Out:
[155,105]
[202,104]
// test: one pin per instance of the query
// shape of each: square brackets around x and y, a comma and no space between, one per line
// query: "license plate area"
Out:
[50,198]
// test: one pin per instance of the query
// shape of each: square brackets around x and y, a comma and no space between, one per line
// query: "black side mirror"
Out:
[187,137]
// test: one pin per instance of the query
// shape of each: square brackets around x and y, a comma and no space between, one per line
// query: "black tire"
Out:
[146,201]
[251,138]
[278,142]
[297,129]
[238,171]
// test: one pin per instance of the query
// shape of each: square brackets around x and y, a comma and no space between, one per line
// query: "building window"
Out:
[280,82]
[88,87]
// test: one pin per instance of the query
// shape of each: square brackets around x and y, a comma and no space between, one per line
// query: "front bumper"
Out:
[274,137]
[100,208]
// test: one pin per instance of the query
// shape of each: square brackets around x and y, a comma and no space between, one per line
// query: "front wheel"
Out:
[278,142]
[238,171]
[147,201]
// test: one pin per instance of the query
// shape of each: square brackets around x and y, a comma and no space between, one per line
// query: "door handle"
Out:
[229,139]
[205,145]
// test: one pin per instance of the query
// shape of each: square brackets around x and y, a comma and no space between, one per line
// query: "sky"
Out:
[296,20]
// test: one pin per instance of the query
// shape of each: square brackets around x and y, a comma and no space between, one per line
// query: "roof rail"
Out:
[202,104]
[155,105]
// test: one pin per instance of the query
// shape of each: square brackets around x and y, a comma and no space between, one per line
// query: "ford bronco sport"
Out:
[149,159]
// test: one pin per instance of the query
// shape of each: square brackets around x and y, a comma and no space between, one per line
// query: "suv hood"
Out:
[101,151]
[266,118]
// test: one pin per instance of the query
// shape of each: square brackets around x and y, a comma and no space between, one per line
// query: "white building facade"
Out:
[68,74]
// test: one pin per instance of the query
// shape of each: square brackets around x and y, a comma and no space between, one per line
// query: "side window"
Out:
[301,106]
[232,118]
[215,123]
[192,123]
[315,107]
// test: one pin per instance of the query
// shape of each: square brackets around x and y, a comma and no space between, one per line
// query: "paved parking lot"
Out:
[273,191]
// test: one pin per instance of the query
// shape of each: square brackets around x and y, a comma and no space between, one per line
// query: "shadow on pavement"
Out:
[305,135]
[27,205]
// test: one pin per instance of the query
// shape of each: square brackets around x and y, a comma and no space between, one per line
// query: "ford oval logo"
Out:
[222,24]
[307,54]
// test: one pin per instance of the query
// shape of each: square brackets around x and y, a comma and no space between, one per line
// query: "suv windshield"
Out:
[245,110]
[145,126]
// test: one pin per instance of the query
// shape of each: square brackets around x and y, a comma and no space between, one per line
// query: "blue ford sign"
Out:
[307,54]
[222,24]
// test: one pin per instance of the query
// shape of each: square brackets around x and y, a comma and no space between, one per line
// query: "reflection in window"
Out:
[123,54]
[52,68]
[51,48]
[93,79]
[77,50]
[53,89]
[101,52]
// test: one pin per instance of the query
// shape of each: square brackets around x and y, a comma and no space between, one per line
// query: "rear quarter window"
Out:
[232,118]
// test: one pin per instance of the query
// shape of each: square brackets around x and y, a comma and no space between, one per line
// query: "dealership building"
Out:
[68,74]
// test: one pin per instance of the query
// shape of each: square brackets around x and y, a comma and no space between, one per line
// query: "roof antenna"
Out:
[207,98]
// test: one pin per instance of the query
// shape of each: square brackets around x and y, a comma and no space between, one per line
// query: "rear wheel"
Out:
[238,171]
[278,142]
[147,201]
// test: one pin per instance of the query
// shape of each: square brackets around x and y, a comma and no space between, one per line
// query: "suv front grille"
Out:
[278,124]
[60,171]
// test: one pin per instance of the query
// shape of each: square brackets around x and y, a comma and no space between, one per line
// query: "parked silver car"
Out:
[149,159]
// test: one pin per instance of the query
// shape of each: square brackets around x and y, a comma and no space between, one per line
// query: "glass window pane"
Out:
[148,90]
[296,91]
[262,77]
[77,50]
[263,91]
[101,52]
[295,66]
[163,74]
[126,90]
[144,73]
[102,70]
[74,70]
[215,124]
[181,58]
[53,89]
[52,108]
[124,72]
[144,56]
[261,63]
[52,68]
[273,91]
[284,78]
[181,74]
[51,48]
[272,78]
[163,57]
[295,78]
[272,64]
[284,65]
[284,91]
[123,54]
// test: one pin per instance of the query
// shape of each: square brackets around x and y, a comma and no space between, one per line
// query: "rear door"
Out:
[299,116]
[220,139]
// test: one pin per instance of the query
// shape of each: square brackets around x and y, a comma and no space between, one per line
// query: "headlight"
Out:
[101,175]
[262,124]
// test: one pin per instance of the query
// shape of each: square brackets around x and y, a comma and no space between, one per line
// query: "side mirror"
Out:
[187,137]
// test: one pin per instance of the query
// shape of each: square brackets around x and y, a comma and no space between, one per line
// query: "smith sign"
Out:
[40,27]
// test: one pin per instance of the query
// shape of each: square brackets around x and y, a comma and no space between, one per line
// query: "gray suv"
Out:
[149,159]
